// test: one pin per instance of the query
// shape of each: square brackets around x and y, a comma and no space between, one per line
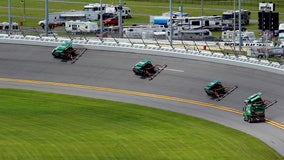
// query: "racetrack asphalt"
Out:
[179,88]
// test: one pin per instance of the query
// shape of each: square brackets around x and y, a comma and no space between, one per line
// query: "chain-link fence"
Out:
[278,3]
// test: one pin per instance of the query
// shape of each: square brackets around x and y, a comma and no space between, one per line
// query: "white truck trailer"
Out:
[59,18]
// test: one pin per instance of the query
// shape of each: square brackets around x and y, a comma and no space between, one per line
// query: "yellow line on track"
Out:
[204,104]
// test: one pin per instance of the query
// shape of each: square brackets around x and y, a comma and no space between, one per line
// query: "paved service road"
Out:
[178,88]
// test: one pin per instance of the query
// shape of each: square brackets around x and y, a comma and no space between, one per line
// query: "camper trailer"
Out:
[81,27]
[144,31]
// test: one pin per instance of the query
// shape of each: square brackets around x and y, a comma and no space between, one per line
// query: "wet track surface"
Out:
[182,78]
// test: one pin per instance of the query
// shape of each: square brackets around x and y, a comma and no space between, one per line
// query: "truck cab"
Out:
[64,50]
[254,110]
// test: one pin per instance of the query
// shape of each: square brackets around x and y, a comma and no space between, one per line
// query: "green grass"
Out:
[38,125]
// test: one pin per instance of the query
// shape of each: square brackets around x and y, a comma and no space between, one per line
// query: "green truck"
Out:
[145,68]
[255,106]
[67,52]
[64,50]
[215,89]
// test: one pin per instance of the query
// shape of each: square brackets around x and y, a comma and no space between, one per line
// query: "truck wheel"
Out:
[249,119]
[260,56]
[208,94]
[42,25]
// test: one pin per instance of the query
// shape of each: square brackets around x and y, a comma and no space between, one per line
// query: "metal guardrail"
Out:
[123,45]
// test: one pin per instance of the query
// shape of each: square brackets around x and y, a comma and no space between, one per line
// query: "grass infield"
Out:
[45,126]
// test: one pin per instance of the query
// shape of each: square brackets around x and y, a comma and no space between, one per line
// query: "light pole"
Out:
[46,18]
[24,7]
[171,24]
[120,18]
[234,20]
[101,19]
[10,17]
[201,7]
[240,28]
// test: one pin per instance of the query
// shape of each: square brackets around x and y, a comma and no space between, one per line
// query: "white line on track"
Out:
[175,70]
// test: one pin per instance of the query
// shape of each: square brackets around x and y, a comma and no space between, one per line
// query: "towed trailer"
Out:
[145,68]
[216,90]
[67,52]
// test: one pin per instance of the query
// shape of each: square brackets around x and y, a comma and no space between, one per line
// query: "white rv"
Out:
[108,8]
[144,31]
[81,27]
[229,15]
[95,7]
[193,35]
[281,32]
[202,22]
[125,11]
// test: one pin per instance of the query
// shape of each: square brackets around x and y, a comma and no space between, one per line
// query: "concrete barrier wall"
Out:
[122,45]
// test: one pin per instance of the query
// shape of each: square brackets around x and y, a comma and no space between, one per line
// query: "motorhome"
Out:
[81,27]
[193,35]
[108,8]
[229,16]
[202,22]
[125,11]
[95,7]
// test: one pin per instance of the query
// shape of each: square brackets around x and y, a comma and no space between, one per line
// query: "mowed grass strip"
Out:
[45,126]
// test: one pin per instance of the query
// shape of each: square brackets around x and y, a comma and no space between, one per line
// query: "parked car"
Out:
[111,21]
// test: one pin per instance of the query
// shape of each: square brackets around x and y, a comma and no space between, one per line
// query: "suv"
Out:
[111,21]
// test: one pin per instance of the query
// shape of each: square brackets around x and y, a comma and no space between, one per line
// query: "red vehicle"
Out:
[111,21]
